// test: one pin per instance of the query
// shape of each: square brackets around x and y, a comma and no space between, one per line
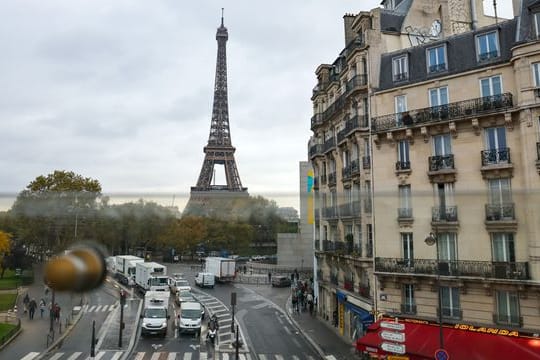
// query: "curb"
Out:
[13,337]
[131,345]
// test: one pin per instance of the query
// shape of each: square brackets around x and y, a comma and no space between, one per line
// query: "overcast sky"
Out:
[121,91]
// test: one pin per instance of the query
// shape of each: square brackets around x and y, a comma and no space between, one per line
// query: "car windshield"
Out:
[155,313]
[182,283]
[191,314]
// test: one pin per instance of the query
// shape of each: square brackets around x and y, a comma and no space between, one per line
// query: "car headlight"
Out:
[164,324]
[144,324]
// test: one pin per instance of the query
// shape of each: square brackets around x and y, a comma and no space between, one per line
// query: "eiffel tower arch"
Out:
[206,197]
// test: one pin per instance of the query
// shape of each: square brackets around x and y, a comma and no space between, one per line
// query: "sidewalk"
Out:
[318,332]
[34,333]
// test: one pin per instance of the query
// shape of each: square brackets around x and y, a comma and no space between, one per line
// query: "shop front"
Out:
[461,341]
[353,319]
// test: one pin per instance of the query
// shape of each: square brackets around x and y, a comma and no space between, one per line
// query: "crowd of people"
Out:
[302,295]
[30,306]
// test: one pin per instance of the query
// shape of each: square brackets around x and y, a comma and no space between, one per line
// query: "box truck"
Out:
[222,268]
[151,276]
[125,268]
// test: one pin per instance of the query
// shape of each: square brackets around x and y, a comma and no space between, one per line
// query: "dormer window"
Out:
[436,59]
[400,67]
[536,24]
[389,4]
[487,46]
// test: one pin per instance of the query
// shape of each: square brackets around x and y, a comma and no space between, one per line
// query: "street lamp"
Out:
[431,240]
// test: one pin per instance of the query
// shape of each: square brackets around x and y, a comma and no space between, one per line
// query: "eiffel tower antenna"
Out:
[219,150]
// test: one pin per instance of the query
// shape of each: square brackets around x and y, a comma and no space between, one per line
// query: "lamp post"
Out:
[431,240]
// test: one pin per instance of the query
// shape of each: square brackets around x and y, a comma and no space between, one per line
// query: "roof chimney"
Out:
[349,33]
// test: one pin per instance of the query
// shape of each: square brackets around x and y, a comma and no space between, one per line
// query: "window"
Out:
[389,4]
[400,68]
[442,145]
[403,162]
[507,308]
[407,248]
[491,86]
[436,59]
[500,205]
[369,244]
[405,208]
[408,306]
[400,107]
[447,246]
[496,151]
[537,24]
[487,46]
[450,302]
[445,209]
[438,96]
[536,74]
[502,247]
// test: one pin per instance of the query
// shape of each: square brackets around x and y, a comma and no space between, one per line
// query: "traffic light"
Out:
[81,268]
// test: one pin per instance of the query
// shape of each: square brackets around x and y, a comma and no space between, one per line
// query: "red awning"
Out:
[422,340]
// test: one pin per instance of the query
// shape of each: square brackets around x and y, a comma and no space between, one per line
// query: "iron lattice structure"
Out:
[219,150]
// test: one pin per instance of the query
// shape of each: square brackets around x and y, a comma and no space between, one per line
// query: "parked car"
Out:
[281,281]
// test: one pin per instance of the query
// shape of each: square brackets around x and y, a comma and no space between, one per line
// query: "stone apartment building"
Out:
[456,181]
[340,148]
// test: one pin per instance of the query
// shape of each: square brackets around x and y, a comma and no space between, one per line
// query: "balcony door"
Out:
[500,199]
[496,148]
[445,210]
[407,249]
[447,247]
[503,247]
[442,145]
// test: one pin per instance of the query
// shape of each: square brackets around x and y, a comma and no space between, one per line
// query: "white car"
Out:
[176,285]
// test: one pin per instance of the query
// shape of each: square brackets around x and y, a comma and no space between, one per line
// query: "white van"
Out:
[178,284]
[190,318]
[205,279]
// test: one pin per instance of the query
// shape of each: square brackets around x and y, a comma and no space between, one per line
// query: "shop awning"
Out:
[422,340]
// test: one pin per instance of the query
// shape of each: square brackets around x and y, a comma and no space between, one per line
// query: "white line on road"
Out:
[187,356]
[203,356]
[117,355]
[91,308]
[98,308]
[139,356]
[31,356]
[98,356]
[262,357]
[105,307]
[56,356]
[172,356]
[279,357]
[75,355]
[155,356]
[224,356]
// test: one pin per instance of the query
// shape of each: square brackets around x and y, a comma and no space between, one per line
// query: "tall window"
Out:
[537,24]
[445,209]
[369,243]
[405,208]
[400,107]
[503,247]
[536,74]
[436,59]
[507,308]
[500,200]
[491,86]
[450,302]
[447,246]
[496,151]
[407,248]
[409,305]
[487,46]
[400,68]
[403,155]
[438,96]
[442,145]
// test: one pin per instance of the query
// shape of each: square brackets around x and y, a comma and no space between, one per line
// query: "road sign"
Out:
[392,336]
[394,348]
[441,354]
[392,325]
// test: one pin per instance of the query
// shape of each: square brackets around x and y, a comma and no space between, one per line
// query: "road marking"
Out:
[99,355]
[117,355]
[139,356]
[224,356]
[85,307]
[279,357]
[295,357]
[155,356]
[172,356]
[91,308]
[262,357]
[187,356]
[56,356]
[75,355]
[203,356]
[105,307]
[98,308]
[31,356]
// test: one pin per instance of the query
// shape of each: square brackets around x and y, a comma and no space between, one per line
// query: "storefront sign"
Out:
[486,330]
[392,336]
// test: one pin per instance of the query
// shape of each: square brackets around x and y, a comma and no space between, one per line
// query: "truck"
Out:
[151,276]
[155,316]
[125,268]
[222,268]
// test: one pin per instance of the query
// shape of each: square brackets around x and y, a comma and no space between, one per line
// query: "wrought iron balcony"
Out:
[355,167]
[452,111]
[488,55]
[401,76]
[408,309]
[480,269]
[508,319]
[336,106]
[316,120]
[332,179]
[495,156]
[339,245]
[316,149]
[346,172]
[357,250]
[355,83]
[444,213]
[403,165]
[500,212]
[364,121]
[350,125]
[334,279]
[441,162]
[369,249]
[328,246]
[329,144]
[346,210]
[404,213]
[330,212]
[366,162]
[437,68]
[356,207]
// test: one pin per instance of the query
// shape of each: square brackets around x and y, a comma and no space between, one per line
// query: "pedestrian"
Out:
[245,269]
[26,301]
[32,305]
[269,277]
[42,306]
[310,303]
[56,312]
[294,302]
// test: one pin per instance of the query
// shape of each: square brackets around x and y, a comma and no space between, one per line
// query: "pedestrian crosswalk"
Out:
[100,308]
[116,355]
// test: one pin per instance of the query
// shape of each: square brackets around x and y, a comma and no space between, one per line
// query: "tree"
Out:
[55,210]
[185,234]
[5,247]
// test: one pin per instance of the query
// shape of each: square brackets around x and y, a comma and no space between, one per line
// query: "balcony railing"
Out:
[356,82]
[332,178]
[346,172]
[329,212]
[444,213]
[366,162]
[350,125]
[336,106]
[316,149]
[369,249]
[329,144]
[403,165]
[346,210]
[316,120]
[355,167]
[482,269]
[401,76]
[488,55]
[324,179]
[456,110]
[500,212]
[495,156]
[408,309]
[328,245]
[404,213]
[441,162]
[437,68]
[508,319]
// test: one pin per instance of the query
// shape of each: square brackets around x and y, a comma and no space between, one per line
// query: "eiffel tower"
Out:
[219,151]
